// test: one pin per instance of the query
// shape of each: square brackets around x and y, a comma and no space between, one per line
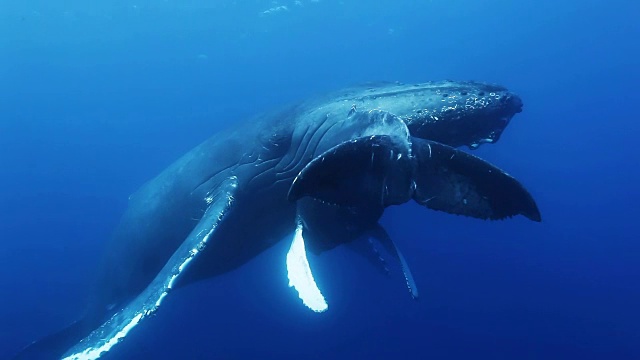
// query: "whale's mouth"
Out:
[476,144]
[467,118]
[488,128]
[493,135]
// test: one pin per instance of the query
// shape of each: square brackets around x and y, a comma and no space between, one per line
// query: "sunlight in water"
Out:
[300,276]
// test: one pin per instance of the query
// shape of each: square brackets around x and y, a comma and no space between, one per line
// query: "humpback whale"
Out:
[318,174]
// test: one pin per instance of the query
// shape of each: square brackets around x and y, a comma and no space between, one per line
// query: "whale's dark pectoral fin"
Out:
[102,339]
[456,182]
[367,248]
[380,234]
[367,170]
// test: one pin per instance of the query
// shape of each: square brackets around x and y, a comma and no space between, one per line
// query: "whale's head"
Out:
[404,150]
[354,181]
[456,113]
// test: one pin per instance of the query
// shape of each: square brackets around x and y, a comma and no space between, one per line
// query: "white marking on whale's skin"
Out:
[95,353]
[300,276]
[408,277]
[105,337]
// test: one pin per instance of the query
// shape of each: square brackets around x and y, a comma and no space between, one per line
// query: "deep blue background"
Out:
[97,97]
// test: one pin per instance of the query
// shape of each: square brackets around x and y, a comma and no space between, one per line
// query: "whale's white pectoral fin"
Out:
[102,339]
[300,276]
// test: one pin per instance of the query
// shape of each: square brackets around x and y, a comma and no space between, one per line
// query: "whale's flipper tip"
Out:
[456,182]
[381,235]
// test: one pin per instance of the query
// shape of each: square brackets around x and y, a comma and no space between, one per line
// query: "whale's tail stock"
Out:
[96,334]
[54,346]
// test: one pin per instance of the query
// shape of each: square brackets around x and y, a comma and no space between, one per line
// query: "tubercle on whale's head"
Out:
[461,113]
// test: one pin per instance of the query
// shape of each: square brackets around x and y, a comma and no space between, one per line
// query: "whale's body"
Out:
[245,189]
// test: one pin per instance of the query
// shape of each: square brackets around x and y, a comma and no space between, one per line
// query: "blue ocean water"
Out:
[98,97]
